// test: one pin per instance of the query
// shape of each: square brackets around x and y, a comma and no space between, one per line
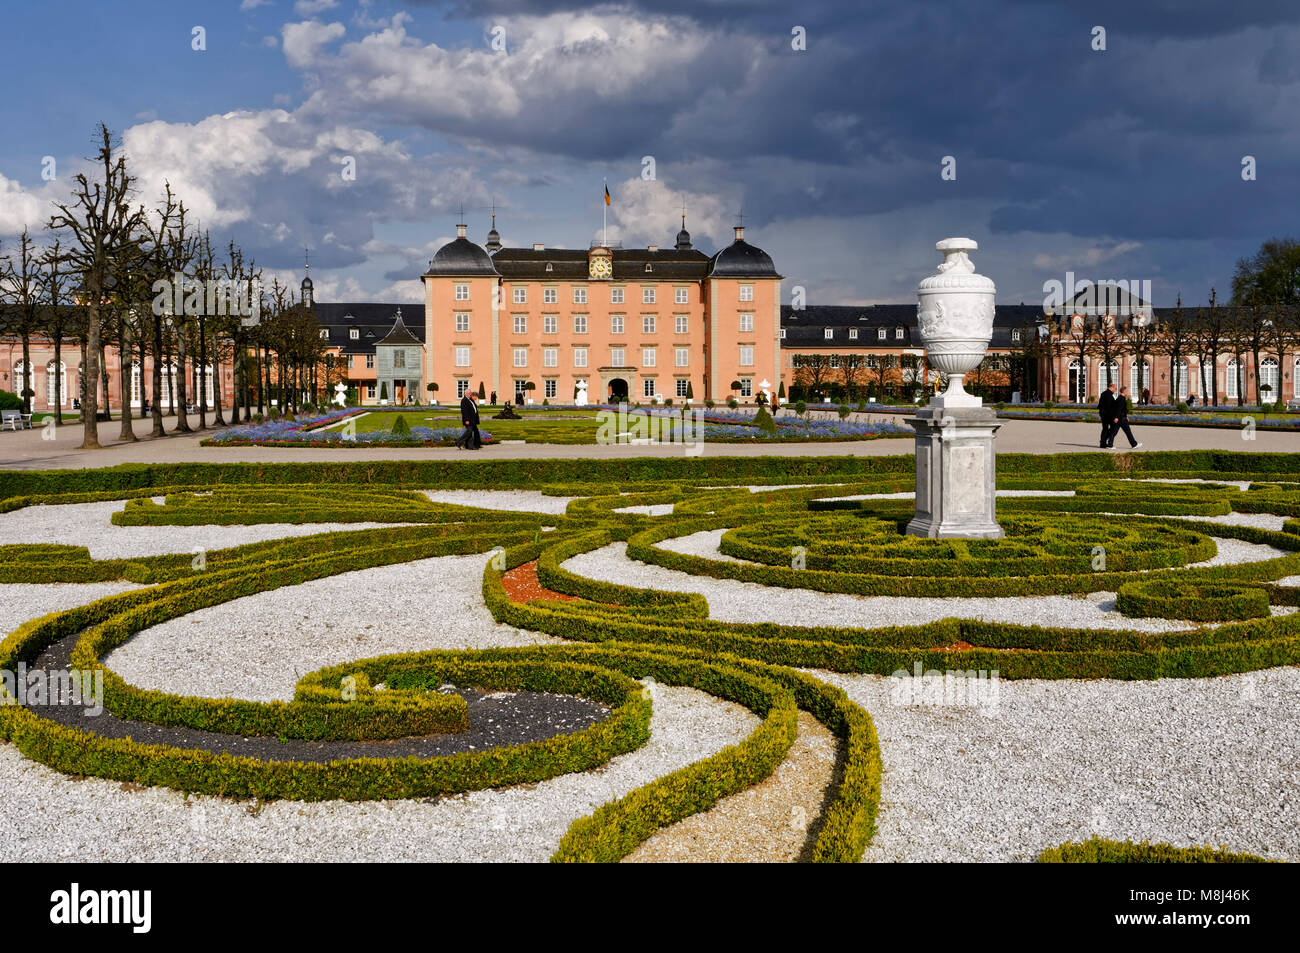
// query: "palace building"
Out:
[629,323]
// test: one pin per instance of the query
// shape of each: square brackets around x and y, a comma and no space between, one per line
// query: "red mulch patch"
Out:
[955,647]
[521,585]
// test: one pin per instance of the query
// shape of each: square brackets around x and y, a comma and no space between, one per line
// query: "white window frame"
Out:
[681,357]
[747,323]
[462,387]
[683,385]
[519,295]
[681,295]
[550,388]
[681,324]
[370,362]
[616,296]
[618,357]
[579,295]
[747,387]
[828,333]
[550,357]
[617,324]
[647,296]
[746,356]
[519,357]
[550,296]
[648,357]
[550,324]
[462,322]
[462,293]
[354,334]
[579,357]
[649,387]
[579,324]
[648,323]
[462,356]
[746,292]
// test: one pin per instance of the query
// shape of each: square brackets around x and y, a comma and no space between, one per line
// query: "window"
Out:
[521,357]
[324,334]
[783,334]
[551,387]
[550,296]
[616,356]
[615,295]
[521,295]
[649,267]
[647,324]
[550,357]
[830,333]
[681,295]
[746,357]
[683,385]
[521,324]
[898,334]
[747,387]
[1107,374]
[462,323]
[1015,336]
[1231,379]
[880,335]
[579,295]
[462,292]
[399,358]
[681,357]
[521,391]
[579,324]
[579,357]
[616,324]
[370,392]
[746,292]
[353,334]
[1139,379]
[680,324]
[462,387]
[462,357]
[747,323]
[647,296]
[59,372]
[647,357]
[370,362]
[1268,380]
[853,334]
[550,324]
[647,387]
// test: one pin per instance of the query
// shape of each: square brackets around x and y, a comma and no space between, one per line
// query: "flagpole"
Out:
[604,216]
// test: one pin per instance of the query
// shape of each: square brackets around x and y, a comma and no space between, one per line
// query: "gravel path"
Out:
[514,501]
[46,816]
[1187,761]
[259,646]
[768,823]
[88,524]
[22,601]
[733,601]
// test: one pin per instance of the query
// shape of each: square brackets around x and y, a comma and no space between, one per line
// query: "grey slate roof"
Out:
[740,259]
[570,264]
[461,258]
[806,328]
[400,334]
[373,320]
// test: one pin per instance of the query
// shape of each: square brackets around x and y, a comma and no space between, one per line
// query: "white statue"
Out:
[341,394]
[581,399]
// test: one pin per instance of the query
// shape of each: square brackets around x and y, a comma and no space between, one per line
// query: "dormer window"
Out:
[898,334]
[549,266]
[829,333]
[354,334]
[649,267]
[880,334]
[853,334]
[1015,336]
[324,334]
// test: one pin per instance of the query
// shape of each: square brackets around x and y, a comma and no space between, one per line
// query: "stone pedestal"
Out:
[956,471]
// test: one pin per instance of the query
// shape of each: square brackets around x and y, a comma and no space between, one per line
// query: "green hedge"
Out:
[1099,850]
[1196,603]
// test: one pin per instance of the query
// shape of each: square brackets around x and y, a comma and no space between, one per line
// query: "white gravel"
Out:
[257,647]
[650,509]
[88,524]
[514,501]
[1204,762]
[46,816]
[22,601]
[733,601]
[1257,520]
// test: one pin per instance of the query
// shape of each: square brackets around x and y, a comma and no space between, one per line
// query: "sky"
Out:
[1155,140]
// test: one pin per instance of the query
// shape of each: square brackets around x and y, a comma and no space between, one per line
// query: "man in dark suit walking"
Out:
[1120,411]
[470,439]
[1106,408]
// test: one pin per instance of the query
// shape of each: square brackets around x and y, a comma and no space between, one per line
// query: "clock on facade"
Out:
[600,267]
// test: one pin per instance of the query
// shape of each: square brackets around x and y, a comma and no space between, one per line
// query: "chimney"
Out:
[652,248]
[538,246]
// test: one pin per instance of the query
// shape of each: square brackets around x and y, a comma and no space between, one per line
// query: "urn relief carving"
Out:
[954,316]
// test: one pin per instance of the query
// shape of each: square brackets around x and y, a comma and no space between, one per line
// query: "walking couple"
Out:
[470,439]
[1113,409]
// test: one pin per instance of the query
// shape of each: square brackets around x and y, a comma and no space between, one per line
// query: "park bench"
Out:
[15,420]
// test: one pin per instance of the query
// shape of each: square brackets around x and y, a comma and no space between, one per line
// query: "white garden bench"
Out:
[15,420]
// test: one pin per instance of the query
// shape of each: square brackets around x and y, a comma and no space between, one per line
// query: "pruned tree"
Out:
[21,292]
[101,224]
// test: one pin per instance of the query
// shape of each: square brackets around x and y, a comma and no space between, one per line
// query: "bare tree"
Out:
[60,317]
[21,288]
[101,222]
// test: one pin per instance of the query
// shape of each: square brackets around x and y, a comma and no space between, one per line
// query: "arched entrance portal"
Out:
[618,391]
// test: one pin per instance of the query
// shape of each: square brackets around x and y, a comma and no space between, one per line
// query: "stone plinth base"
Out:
[955,473]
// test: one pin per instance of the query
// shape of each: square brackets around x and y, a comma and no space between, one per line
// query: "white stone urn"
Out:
[954,315]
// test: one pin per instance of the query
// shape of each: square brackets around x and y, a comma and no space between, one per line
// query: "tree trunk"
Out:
[124,355]
[90,378]
[58,379]
[103,377]
[182,418]
[201,385]
[155,379]
[28,377]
